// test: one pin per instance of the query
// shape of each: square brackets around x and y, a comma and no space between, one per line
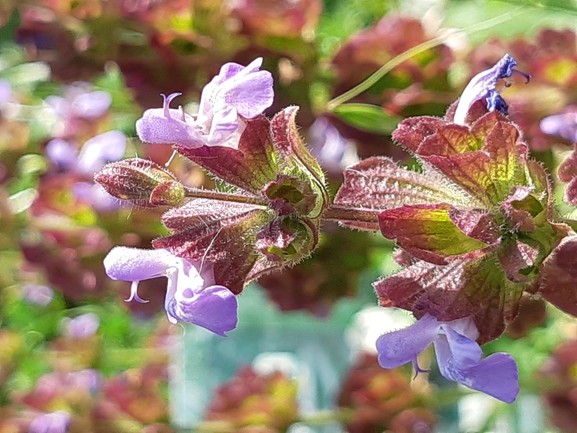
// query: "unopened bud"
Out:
[141,182]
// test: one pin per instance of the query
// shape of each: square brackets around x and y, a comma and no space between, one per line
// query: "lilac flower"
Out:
[83,326]
[191,295]
[55,422]
[235,94]
[563,124]
[458,355]
[37,294]
[80,101]
[333,151]
[5,92]
[483,85]
[95,152]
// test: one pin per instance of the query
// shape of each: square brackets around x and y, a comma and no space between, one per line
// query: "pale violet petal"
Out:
[497,375]
[91,105]
[482,86]
[214,308]
[106,147]
[155,127]
[399,347]
[224,124]
[55,422]
[62,153]
[135,264]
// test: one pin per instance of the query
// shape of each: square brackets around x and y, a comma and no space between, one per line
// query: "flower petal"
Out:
[135,264]
[482,86]
[213,308]
[496,375]
[155,127]
[106,147]
[402,346]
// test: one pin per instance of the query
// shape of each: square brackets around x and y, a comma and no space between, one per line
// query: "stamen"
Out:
[417,368]
[166,102]
[134,294]
[524,74]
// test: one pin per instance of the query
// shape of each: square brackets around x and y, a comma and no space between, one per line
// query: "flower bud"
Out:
[141,182]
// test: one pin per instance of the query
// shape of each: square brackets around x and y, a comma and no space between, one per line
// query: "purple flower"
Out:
[83,326]
[333,151]
[563,124]
[191,295]
[483,85]
[55,422]
[235,94]
[458,355]
[97,151]
[81,101]
[5,92]
[37,294]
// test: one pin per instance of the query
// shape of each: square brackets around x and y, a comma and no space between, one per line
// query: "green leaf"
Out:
[368,117]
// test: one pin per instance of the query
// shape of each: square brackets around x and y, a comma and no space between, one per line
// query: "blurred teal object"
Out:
[314,351]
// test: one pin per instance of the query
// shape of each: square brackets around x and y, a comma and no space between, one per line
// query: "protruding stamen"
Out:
[134,294]
[166,102]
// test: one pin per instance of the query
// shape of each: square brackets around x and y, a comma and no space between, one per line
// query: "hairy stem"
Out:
[224,196]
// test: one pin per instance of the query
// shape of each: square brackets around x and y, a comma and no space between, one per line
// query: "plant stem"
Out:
[224,196]
[396,61]
[347,214]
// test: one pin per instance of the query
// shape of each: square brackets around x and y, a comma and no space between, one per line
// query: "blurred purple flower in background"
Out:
[235,94]
[333,150]
[79,103]
[94,154]
[106,147]
[55,422]
[458,355]
[37,294]
[191,295]
[83,326]
[563,124]
[5,92]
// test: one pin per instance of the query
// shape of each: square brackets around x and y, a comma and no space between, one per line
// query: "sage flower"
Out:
[483,85]
[191,295]
[235,94]
[458,355]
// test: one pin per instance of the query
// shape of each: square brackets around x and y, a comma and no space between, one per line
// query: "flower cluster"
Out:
[221,239]
[475,227]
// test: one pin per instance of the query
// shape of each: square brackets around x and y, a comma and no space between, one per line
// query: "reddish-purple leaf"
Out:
[249,167]
[463,288]
[476,224]
[571,192]
[450,139]
[378,183]
[515,256]
[558,276]
[412,131]
[491,173]
[220,233]
[427,232]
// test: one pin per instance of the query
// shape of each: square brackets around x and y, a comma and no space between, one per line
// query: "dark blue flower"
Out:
[483,86]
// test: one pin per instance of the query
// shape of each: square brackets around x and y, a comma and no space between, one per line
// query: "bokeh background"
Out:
[74,77]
